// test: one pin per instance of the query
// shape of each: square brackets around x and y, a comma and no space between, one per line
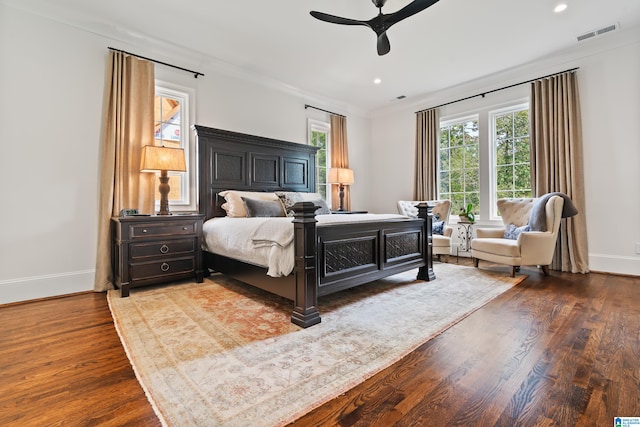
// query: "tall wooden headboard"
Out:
[236,161]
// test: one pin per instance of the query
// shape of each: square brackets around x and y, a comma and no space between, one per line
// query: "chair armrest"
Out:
[535,238]
[537,247]
[448,231]
[490,232]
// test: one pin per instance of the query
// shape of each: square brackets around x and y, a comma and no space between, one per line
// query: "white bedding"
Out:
[267,242]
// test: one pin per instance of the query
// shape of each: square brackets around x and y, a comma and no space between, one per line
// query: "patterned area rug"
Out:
[225,354]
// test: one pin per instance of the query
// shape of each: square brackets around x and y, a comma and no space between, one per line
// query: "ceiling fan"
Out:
[381,23]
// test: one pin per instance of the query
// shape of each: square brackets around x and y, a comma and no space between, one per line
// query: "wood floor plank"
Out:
[562,350]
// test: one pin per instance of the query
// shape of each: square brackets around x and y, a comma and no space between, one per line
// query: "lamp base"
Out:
[164,192]
[341,195]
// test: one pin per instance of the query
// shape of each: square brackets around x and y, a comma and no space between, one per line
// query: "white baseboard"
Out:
[625,265]
[29,288]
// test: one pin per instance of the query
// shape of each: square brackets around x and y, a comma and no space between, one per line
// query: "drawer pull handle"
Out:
[185,228]
[164,267]
[164,249]
[144,230]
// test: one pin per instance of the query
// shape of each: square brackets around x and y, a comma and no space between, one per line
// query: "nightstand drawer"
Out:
[169,247]
[160,229]
[151,270]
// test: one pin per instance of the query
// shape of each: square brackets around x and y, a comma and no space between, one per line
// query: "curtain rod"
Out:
[496,90]
[195,73]
[320,109]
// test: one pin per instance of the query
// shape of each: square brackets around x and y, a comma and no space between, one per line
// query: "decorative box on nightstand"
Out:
[148,250]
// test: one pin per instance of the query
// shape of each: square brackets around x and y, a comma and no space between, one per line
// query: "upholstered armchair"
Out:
[517,243]
[441,236]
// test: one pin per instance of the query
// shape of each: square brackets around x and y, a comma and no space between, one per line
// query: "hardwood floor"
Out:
[562,350]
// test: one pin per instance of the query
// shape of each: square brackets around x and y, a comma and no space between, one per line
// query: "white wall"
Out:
[52,79]
[609,89]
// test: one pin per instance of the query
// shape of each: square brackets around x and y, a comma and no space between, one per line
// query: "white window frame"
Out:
[493,184]
[323,127]
[188,189]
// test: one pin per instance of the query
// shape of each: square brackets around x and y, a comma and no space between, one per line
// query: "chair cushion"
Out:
[440,241]
[497,246]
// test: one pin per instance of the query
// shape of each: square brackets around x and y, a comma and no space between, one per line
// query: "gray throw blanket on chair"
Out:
[537,217]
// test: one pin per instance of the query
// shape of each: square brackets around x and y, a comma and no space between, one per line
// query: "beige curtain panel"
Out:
[557,162]
[127,127]
[425,186]
[339,157]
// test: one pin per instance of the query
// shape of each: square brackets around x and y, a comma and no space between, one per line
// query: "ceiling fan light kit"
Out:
[381,23]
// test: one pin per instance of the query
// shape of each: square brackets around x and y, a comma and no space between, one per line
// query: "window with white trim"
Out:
[319,136]
[485,156]
[459,165]
[511,174]
[173,114]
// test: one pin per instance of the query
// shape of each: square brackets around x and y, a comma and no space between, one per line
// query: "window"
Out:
[485,156]
[511,153]
[459,164]
[319,134]
[172,123]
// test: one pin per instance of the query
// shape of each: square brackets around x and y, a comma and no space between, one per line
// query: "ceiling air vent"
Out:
[597,32]
[607,29]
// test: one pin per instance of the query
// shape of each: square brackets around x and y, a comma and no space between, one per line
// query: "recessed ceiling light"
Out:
[377,81]
[560,7]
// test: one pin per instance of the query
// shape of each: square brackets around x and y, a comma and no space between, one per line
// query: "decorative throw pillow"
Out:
[438,227]
[263,208]
[290,198]
[234,205]
[512,232]
[324,208]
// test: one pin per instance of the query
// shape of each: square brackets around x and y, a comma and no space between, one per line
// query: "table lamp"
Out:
[163,159]
[342,177]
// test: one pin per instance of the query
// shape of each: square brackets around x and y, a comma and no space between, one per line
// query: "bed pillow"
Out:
[263,208]
[511,231]
[290,198]
[324,208]
[234,205]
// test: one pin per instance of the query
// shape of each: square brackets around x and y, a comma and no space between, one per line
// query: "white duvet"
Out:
[267,242]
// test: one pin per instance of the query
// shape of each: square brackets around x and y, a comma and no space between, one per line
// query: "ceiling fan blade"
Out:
[383,44]
[409,10]
[335,19]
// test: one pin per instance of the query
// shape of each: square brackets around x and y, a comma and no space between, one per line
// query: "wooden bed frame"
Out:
[328,259]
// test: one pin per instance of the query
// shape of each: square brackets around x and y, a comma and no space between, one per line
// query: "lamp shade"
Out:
[162,159]
[341,176]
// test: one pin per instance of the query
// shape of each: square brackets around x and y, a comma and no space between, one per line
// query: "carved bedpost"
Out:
[426,272]
[305,309]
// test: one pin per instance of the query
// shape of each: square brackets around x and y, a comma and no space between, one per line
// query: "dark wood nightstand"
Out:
[148,250]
